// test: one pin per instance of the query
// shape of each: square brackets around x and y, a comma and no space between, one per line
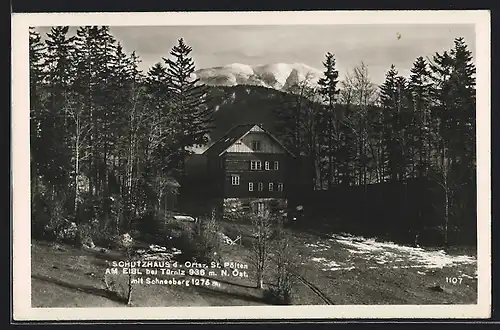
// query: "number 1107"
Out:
[454,280]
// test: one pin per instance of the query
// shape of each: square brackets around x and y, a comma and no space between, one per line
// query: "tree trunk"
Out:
[330,153]
[77,170]
[260,280]
[446,216]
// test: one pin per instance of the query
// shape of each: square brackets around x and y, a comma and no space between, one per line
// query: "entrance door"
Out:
[261,209]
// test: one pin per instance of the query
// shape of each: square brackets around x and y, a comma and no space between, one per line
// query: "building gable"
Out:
[240,139]
[257,141]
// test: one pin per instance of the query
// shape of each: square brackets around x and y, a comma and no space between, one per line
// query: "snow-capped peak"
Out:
[277,75]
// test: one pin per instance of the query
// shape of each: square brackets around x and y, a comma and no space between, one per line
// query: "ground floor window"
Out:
[235,180]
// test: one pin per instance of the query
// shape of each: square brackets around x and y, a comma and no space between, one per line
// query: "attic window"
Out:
[256,145]
[238,143]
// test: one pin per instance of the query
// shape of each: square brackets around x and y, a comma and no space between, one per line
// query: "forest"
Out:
[106,138]
[415,132]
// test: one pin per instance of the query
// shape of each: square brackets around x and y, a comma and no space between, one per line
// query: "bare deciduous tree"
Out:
[262,226]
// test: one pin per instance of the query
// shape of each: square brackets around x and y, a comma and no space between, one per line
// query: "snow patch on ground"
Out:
[384,252]
[156,252]
[387,255]
[319,247]
[325,262]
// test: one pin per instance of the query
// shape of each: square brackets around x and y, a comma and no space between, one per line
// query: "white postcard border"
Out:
[21,165]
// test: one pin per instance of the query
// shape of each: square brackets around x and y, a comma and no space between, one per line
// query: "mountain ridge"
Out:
[277,76]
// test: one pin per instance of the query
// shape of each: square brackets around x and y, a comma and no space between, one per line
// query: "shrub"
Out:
[209,239]
[55,224]
[180,235]
[197,241]
[67,232]
[124,241]
[85,235]
[285,260]
[277,296]
[135,234]
[40,214]
[150,224]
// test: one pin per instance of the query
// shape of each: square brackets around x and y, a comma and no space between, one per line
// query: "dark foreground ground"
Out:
[338,269]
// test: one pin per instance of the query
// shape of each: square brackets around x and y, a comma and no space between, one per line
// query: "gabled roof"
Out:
[233,135]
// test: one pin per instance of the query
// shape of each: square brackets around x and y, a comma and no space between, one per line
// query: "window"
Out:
[250,186]
[238,143]
[280,186]
[261,209]
[271,186]
[255,165]
[276,165]
[235,180]
[261,186]
[256,145]
[267,165]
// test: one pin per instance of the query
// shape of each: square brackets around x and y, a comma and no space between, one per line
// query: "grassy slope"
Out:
[73,278]
[384,284]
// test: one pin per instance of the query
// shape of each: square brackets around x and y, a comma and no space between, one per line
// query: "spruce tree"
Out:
[55,123]
[462,82]
[36,64]
[396,119]
[453,73]
[189,101]
[329,92]
[420,87]
[388,96]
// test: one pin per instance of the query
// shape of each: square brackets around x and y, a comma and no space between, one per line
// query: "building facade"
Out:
[249,170]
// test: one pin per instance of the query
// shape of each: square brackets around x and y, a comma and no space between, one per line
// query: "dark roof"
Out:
[233,135]
[228,139]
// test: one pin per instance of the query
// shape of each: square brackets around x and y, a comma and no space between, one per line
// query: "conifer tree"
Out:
[36,62]
[389,104]
[453,74]
[188,100]
[420,87]
[394,98]
[54,123]
[329,92]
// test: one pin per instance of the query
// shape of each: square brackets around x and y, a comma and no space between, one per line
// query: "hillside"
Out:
[241,104]
[244,104]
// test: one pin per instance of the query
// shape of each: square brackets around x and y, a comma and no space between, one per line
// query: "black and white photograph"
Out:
[327,165]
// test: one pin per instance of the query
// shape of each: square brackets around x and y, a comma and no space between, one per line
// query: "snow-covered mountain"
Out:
[278,76]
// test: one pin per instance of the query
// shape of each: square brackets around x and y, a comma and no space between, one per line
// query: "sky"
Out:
[377,45]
